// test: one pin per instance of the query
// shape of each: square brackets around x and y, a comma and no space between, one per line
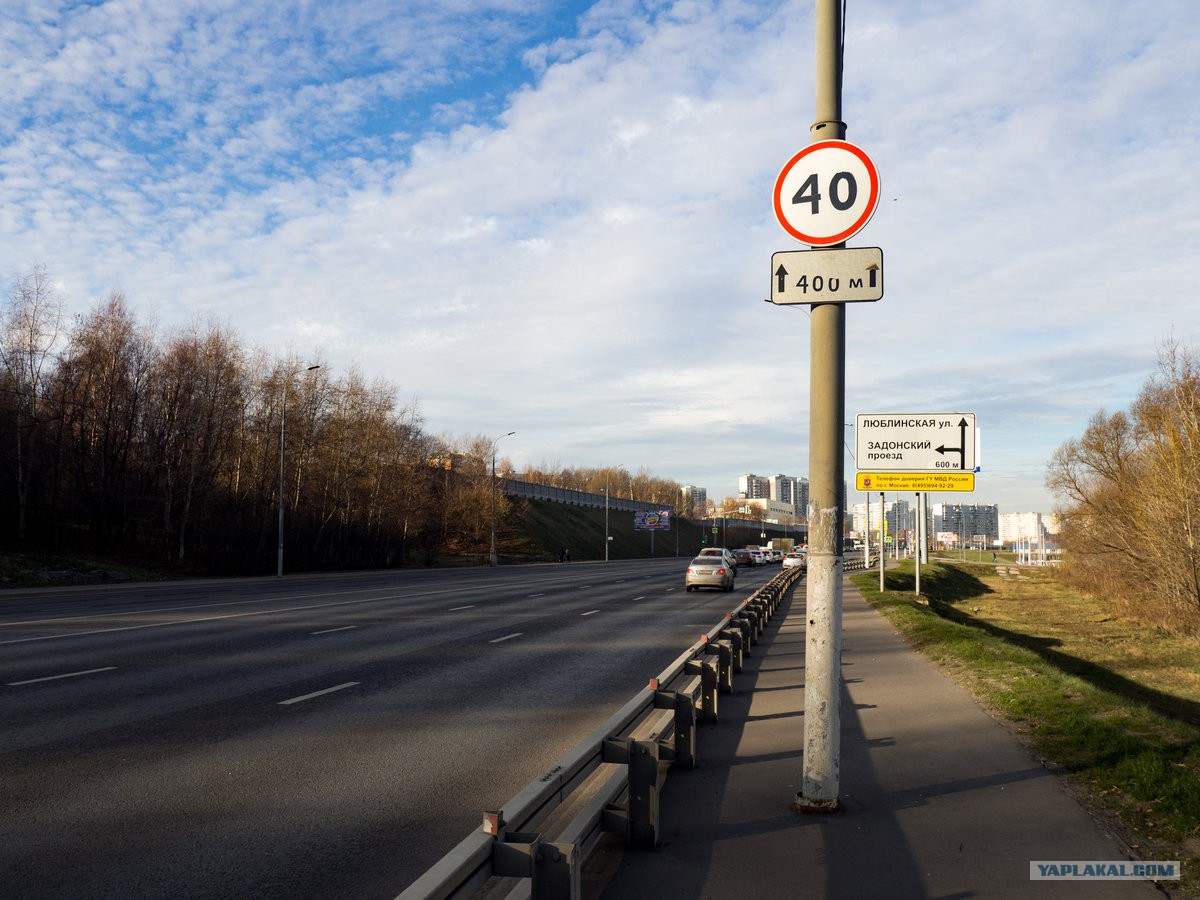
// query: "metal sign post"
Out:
[882,545]
[920,530]
[827,392]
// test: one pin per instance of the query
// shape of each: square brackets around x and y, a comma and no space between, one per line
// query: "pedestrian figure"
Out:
[568,552]
[993,556]
[562,554]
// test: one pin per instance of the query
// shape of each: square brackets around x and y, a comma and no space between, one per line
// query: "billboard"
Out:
[652,520]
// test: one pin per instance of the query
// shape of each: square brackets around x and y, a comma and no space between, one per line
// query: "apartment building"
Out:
[695,501]
[963,522]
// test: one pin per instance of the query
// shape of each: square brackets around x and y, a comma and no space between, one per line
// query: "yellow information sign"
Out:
[926,482]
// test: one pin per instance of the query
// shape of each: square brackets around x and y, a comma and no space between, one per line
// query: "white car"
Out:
[708,570]
[795,560]
[726,556]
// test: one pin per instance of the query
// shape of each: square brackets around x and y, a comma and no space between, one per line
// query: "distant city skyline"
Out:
[752,485]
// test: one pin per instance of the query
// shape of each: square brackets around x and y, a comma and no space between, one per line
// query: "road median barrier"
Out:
[610,782]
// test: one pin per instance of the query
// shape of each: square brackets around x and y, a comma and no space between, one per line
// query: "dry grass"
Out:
[1112,704]
[1030,600]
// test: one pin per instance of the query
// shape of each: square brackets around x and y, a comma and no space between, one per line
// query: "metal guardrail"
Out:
[514,488]
[612,778]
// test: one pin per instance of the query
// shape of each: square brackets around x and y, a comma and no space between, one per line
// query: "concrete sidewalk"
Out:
[938,800]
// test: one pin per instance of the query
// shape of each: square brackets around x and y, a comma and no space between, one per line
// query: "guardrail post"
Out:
[643,793]
[734,637]
[743,623]
[709,671]
[723,651]
[769,599]
[761,613]
[685,731]
[753,615]
[557,874]
[683,755]
[552,869]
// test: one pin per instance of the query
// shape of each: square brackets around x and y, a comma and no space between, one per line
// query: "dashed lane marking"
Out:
[340,687]
[57,677]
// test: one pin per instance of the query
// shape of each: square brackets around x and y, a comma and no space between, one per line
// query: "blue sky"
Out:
[555,218]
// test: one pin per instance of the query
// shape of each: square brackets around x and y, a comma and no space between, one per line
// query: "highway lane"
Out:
[319,736]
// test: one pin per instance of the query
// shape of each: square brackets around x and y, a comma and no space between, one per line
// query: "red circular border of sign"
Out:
[859,223]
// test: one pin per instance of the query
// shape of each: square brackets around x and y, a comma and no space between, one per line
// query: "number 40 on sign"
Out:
[826,193]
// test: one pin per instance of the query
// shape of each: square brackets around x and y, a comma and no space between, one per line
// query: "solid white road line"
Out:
[56,677]
[332,630]
[507,637]
[340,687]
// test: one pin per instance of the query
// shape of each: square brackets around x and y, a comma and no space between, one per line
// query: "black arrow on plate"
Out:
[781,274]
[961,449]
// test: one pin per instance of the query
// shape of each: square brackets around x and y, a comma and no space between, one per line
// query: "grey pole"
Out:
[606,537]
[827,396]
[492,559]
[920,539]
[882,539]
[282,423]
[867,536]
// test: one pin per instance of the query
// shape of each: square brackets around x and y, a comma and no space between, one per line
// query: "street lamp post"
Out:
[492,560]
[606,537]
[282,425]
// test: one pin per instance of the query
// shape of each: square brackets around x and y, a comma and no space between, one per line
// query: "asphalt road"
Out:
[322,736]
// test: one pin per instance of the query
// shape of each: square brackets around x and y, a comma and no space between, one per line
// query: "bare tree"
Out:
[29,329]
[196,393]
[103,381]
[1131,492]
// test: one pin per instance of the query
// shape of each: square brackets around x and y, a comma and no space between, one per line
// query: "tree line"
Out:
[1131,492]
[181,450]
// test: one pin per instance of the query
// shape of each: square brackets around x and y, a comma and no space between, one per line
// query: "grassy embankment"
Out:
[22,569]
[541,528]
[532,532]
[1111,705]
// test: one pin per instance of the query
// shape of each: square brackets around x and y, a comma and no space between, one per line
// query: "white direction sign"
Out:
[827,276]
[915,442]
[826,193]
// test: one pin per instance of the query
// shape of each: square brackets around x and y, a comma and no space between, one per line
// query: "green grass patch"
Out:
[47,570]
[538,528]
[1074,682]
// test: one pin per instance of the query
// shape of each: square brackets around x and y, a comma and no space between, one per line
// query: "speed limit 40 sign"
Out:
[826,193]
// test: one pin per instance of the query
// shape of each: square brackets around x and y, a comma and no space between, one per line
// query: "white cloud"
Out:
[588,267]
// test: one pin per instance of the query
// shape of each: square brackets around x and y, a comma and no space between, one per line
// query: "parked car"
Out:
[725,555]
[708,570]
[794,560]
